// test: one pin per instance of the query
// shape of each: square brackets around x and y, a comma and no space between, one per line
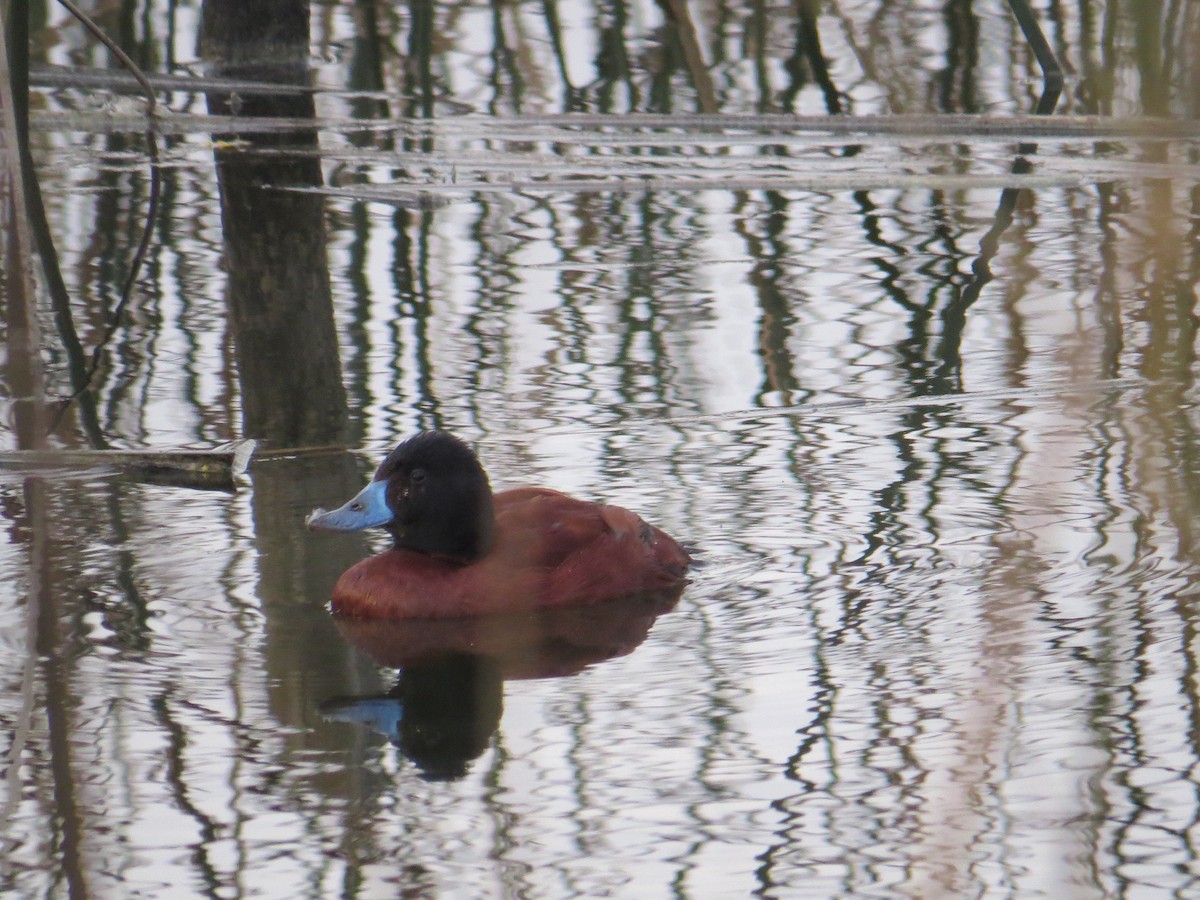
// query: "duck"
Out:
[461,551]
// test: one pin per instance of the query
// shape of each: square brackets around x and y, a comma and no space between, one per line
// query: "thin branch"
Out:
[115,50]
[143,247]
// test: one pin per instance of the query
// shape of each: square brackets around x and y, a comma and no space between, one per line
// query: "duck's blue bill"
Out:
[381,714]
[368,509]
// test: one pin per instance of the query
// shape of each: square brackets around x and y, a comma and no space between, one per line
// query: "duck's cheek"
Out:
[368,509]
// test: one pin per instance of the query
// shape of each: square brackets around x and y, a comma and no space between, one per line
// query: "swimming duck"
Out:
[461,551]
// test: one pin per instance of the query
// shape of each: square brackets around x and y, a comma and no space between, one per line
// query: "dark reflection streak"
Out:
[102,254]
[1105,712]
[571,99]
[18,43]
[758,34]
[575,335]
[912,352]
[1051,60]
[815,734]
[496,798]
[141,386]
[115,231]
[356,370]
[366,70]
[890,282]
[577,778]
[1187,324]
[171,35]
[1129,830]
[1110,57]
[942,271]
[681,31]
[130,622]
[23,369]
[901,823]
[484,323]
[176,778]
[722,695]
[886,520]
[717,27]
[1188,314]
[67,823]
[1165,427]
[497,284]
[190,363]
[653,325]
[152,43]
[890,498]
[1052,73]
[962,56]
[1154,75]
[1171,27]
[794,65]
[409,301]
[948,375]
[358,844]
[504,66]
[641,246]
[808,47]
[410,276]
[1186,603]
[780,384]
[1095,89]
[19,726]
[1108,299]
[668,59]
[1189,37]
[723,690]
[420,52]
[612,57]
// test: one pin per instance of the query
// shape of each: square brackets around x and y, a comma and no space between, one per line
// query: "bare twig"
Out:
[143,247]
[122,57]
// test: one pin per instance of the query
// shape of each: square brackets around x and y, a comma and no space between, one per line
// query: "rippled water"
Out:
[927,413]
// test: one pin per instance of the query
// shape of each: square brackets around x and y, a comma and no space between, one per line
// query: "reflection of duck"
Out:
[448,698]
[543,643]
[441,715]
[460,551]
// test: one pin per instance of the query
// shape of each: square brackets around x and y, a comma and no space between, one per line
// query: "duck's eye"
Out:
[417,476]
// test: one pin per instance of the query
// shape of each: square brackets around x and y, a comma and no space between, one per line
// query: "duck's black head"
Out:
[430,493]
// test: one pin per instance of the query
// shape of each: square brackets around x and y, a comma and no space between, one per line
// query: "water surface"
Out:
[921,392]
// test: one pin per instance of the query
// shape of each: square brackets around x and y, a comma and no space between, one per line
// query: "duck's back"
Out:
[550,550]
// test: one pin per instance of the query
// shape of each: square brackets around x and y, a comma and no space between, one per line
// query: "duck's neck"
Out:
[461,535]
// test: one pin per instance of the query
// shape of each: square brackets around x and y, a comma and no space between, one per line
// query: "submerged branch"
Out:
[216,468]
